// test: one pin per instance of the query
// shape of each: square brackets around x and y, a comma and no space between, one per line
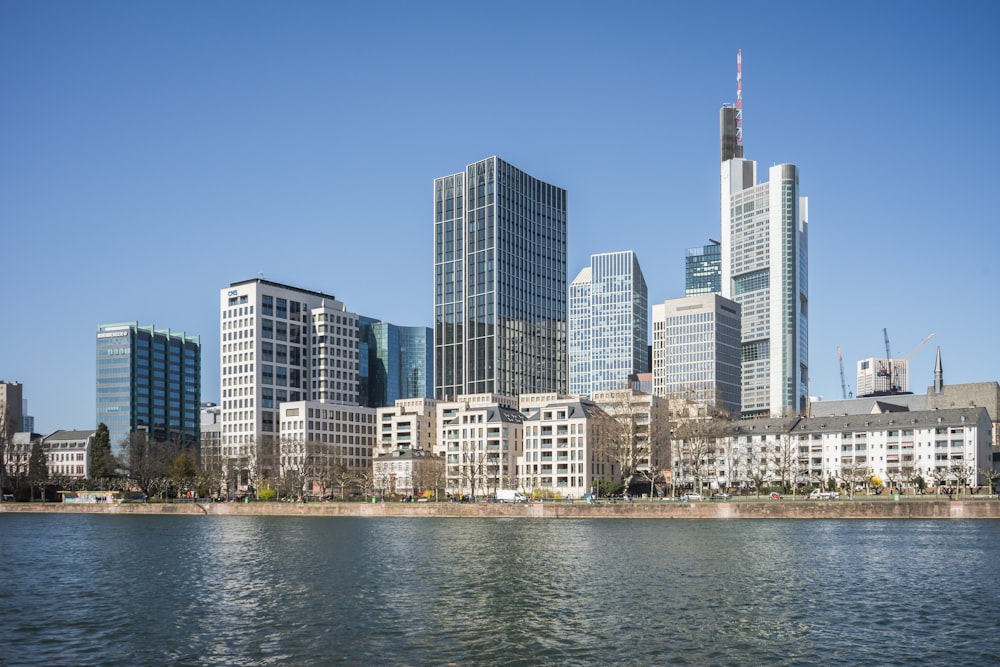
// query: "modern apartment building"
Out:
[765,270]
[400,363]
[148,380]
[559,456]
[480,437]
[499,282]
[279,344]
[409,424]
[608,324]
[703,269]
[696,351]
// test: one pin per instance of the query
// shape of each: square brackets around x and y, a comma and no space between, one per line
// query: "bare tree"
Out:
[786,461]
[991,476]
[7,430]
[854,474]
[632,431]
[758,466]
[962,471]
[342,477]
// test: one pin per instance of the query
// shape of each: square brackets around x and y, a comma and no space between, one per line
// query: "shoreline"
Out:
[744,509]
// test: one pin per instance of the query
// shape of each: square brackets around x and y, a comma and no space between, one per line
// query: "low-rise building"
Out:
[320,441]
[408,472]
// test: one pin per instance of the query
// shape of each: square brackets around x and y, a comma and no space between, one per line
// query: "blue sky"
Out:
[151,153]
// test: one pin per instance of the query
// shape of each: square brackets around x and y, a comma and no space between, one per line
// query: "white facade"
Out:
[409,424]
[944,447]
[559,459]
[408,472]
[480,437]
[608,324]
[279,344]
[765,270]
[316,437]
[696,351]
[882,376]
[67,453]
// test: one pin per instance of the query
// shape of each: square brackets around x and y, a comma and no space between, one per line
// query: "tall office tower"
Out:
[27,421]
[400,363]
[703,269]
[608,324]
[696,351]
[765,270]
[148,380]
[499,282]
[279,344]
[11,410]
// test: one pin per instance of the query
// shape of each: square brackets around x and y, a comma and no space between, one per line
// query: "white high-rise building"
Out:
[765,263]
[278,344]
[608,324]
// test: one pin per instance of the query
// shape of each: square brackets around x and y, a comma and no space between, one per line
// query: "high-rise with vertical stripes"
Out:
[499,282]
[608,324]
[765,259]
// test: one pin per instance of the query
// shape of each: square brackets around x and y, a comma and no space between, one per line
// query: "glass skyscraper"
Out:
[703,269]
[765,261]
[608,324]
[399,362]
[148,380]
[499,282]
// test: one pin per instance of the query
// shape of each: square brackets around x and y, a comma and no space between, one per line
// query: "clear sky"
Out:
[151,153]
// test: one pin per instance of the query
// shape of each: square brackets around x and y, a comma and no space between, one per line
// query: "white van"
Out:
[510,496]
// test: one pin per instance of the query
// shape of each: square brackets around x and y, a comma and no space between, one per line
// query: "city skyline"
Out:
[151,160]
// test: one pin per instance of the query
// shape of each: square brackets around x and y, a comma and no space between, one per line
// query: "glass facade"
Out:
[703,270]
[399,361]
[148,379]
[499,282]
[608,324]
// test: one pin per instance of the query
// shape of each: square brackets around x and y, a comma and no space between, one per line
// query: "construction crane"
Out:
[917,348]
[888,354]
[843,383]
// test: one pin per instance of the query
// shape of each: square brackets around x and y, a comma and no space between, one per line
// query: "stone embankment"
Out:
[743,509]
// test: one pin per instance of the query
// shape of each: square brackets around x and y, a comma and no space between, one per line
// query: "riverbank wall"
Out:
[764,509]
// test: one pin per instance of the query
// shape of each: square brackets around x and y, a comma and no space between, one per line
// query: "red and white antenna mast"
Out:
[739,97]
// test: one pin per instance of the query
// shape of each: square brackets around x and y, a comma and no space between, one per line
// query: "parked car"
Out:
[819,494]
[721,496]
[690,497]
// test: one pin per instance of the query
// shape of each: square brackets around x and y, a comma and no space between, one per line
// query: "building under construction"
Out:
[882,377]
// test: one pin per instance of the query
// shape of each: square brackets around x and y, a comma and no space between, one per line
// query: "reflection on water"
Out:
[86,589]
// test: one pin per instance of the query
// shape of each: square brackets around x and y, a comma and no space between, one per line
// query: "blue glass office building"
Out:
[399,363]
[148,380]
[608,324]
[499,282]
[703,269]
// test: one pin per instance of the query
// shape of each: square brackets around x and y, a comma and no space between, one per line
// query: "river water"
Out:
[249,590]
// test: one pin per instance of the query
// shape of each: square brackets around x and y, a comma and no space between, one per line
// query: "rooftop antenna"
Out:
[739,97]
